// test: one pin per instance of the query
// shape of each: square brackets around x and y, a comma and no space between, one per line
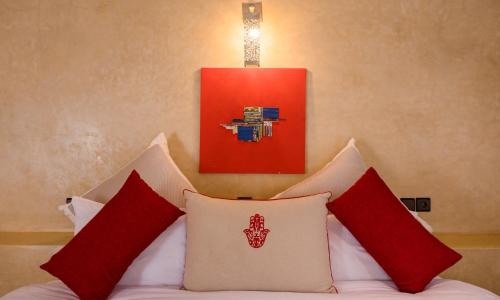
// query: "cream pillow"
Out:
[157,169]
[277,245]
[337,176]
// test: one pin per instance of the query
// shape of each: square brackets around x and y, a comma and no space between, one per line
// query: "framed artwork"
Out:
[252,120]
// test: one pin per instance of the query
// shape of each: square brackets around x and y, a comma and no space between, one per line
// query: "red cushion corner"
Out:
[95,259]
[409,254]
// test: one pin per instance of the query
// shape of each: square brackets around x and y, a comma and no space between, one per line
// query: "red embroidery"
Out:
[256,233]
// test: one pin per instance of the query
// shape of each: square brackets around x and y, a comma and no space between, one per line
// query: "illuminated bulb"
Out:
[254,33]
[251,9]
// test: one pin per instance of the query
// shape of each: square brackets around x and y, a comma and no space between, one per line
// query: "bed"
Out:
[159,271]
[441,289]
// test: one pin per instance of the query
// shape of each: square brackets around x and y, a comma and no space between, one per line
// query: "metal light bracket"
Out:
[252,16]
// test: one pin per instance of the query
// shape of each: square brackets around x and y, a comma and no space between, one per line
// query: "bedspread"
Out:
[441,289]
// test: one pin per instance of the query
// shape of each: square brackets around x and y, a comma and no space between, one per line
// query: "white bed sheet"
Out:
[442,289]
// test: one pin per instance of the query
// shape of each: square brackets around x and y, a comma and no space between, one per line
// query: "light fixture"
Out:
[252,16]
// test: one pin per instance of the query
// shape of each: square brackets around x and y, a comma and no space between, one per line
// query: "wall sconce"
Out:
[252,16]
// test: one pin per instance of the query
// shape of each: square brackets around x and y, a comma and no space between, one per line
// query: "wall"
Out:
[85,85]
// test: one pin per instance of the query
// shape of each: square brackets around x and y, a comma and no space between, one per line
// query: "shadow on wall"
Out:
[177,148]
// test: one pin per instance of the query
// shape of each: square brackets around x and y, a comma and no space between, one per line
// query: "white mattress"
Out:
[441,289]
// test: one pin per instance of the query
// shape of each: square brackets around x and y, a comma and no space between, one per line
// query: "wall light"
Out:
[252,16]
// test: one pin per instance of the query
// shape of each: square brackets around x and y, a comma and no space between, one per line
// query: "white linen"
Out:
[84,210]
[438,289]
[348,259]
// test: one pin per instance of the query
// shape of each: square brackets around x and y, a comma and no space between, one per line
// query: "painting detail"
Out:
[256,233]
[257,123]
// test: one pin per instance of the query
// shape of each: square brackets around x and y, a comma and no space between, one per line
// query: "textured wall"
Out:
[85,85]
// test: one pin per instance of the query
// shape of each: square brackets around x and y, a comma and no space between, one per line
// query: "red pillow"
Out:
[409,254]
[95,259]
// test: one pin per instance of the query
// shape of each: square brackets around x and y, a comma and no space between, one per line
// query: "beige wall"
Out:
[85,85]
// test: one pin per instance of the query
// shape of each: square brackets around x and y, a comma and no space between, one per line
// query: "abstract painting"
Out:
[252,120]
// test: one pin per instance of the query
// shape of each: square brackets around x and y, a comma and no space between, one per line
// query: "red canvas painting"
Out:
[252,120]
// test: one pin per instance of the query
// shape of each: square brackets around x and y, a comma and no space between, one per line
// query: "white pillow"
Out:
[337,176]
[161,263]
[84,210]
[157,169]
[349,260]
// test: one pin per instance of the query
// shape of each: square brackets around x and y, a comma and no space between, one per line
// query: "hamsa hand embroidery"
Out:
[256,232]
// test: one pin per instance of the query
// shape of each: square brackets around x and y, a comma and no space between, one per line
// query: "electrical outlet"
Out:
[423,204]
[409,203]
